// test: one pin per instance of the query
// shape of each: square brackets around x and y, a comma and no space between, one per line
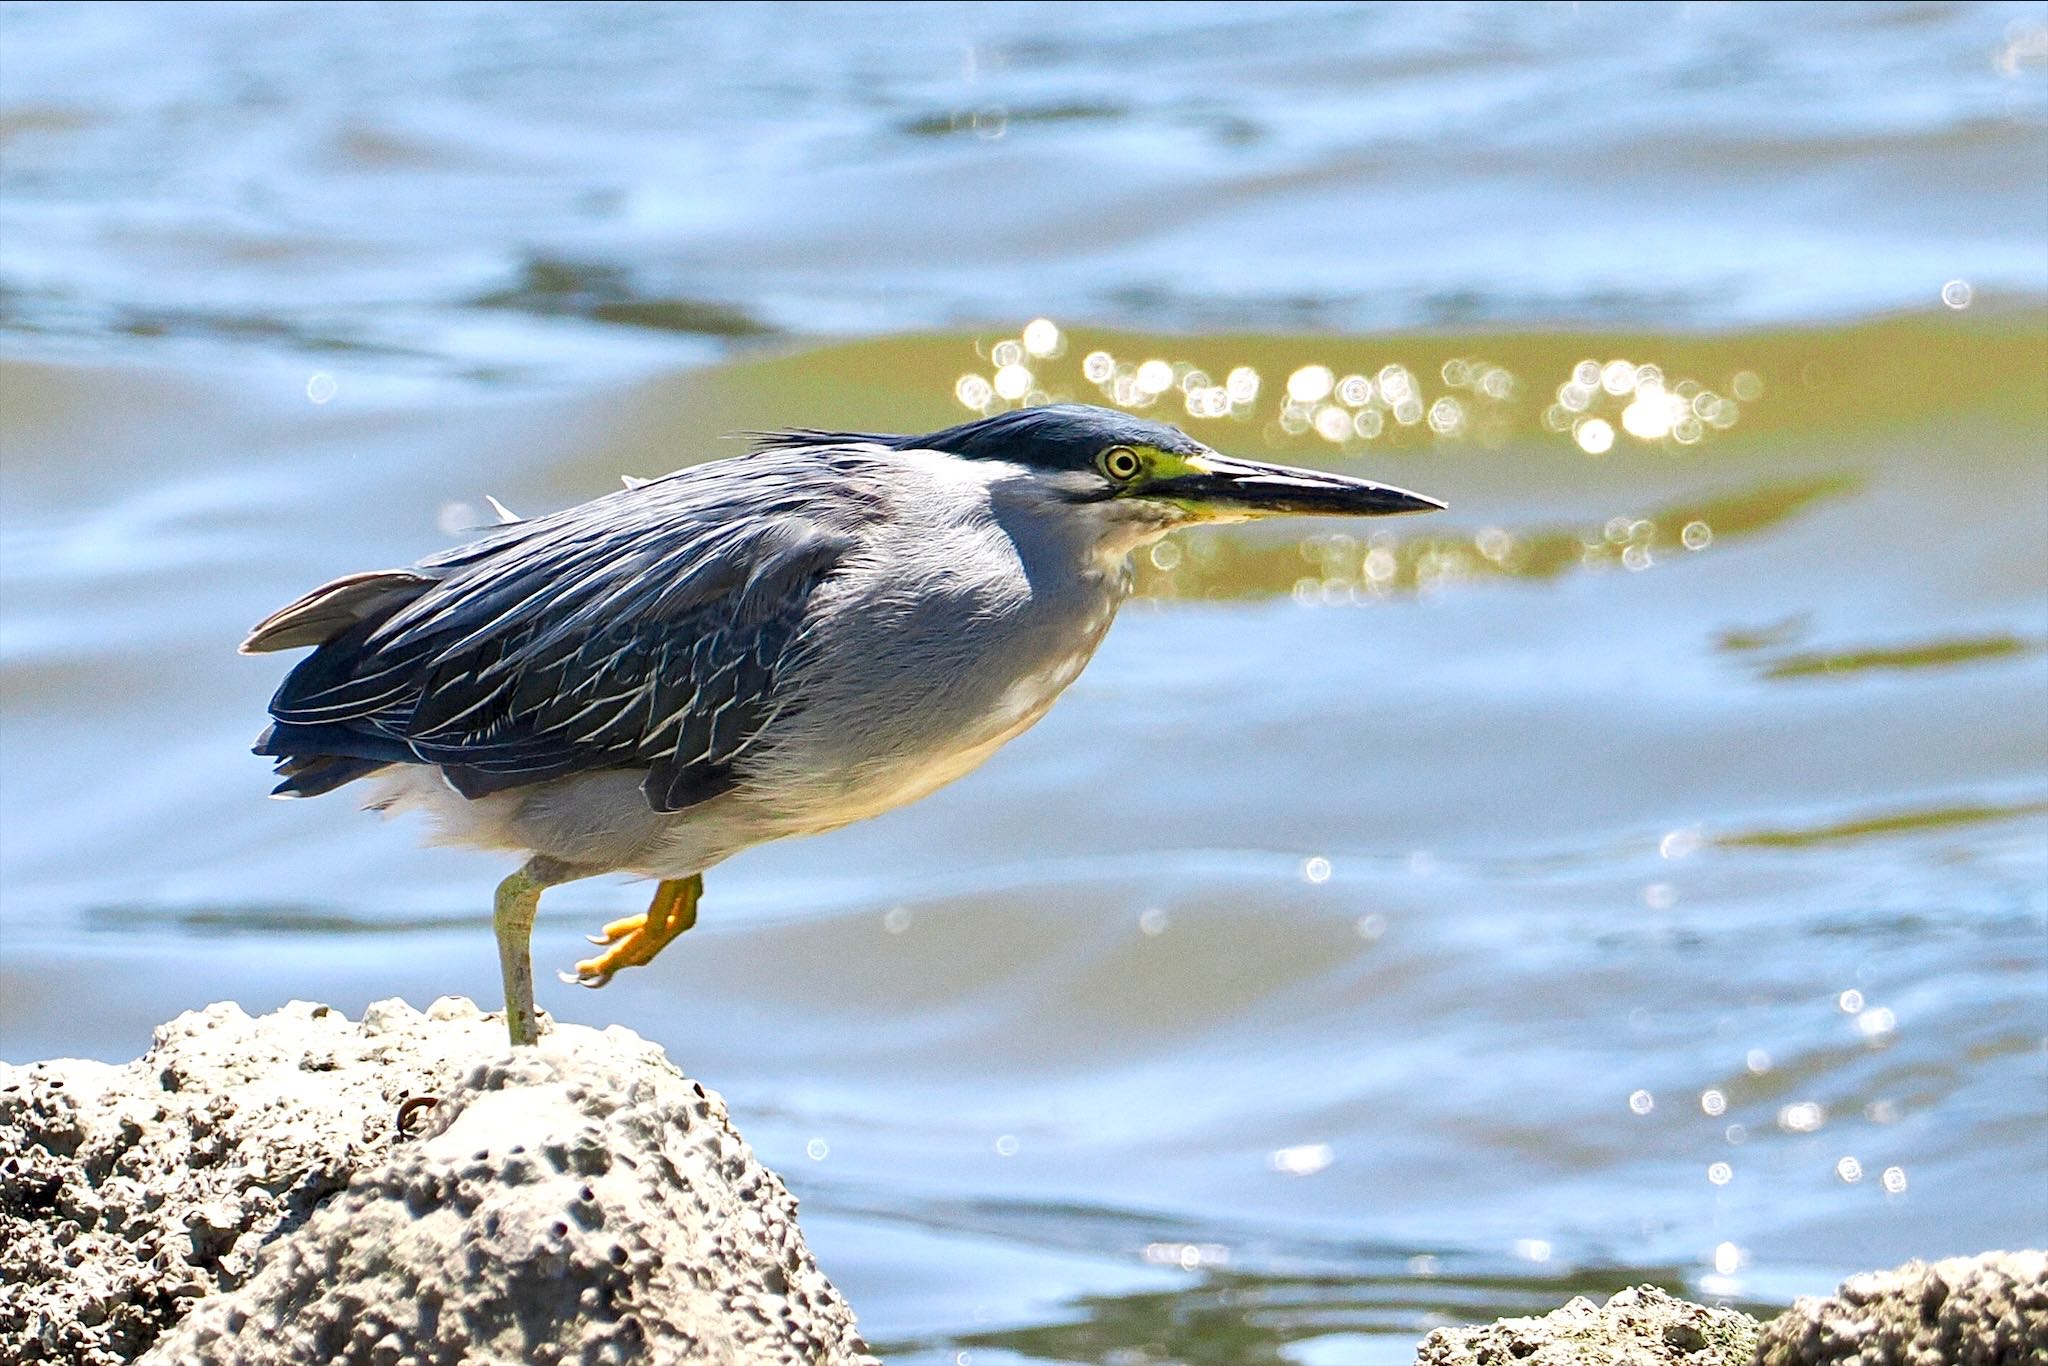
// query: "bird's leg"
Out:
[633,942]
[518,900]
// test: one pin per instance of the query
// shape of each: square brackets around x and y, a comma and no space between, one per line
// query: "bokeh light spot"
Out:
[1041,337]
[973,392]
[1595,436]
[1310,384]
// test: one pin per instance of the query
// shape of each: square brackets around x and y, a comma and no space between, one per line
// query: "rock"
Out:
[1641,1326]
[407,1189]
[1990,1310]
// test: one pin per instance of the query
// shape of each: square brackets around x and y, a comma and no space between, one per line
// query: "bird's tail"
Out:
[321,773]
[317,759]
[332,608]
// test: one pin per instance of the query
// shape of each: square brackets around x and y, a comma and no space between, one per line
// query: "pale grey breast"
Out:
[949,634]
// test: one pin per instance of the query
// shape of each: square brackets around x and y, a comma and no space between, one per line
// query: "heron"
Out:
[771,644]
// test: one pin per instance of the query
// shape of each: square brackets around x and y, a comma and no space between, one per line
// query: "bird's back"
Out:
[643,630]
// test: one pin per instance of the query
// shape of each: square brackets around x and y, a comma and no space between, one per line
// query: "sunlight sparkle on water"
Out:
[973,392]
[1641,1102]
[1850,1170]
[1042,338]
[1304,1159]
[1310,384]
[1187,1256]
[1597,405]
[1802,1117]
[1653,414]
[1680,844]
[1713,1103]
[1720,1173]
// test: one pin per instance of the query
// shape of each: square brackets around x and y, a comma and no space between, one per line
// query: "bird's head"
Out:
[1153,472]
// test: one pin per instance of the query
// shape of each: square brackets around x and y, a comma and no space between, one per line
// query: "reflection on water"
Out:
[1932,655]
[604,294]
[1335,568]
[1903,823]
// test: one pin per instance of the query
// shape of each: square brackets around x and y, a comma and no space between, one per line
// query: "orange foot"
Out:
[634,941]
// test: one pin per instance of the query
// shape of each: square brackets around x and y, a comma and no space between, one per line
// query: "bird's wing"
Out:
[644,630]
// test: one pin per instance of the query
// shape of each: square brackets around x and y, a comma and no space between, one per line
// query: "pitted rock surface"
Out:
[1990,1310]
[1641,1326]
[242,1193]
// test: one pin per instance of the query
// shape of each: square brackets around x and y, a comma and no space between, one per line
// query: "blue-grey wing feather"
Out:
[646,630]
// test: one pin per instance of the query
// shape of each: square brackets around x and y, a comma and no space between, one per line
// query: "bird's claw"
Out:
[623,942]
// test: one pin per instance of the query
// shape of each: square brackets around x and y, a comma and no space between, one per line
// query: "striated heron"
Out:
[773,644]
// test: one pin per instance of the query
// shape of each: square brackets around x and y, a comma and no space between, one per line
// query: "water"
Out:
[1638,872]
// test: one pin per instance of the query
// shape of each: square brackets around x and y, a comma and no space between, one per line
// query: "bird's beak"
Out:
[1226,486]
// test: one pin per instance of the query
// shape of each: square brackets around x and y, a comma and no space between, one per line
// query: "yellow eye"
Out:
[1120,463]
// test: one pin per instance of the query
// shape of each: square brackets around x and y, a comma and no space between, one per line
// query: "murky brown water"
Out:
[1637,872]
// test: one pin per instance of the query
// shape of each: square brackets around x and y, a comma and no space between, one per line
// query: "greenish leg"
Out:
[518,901]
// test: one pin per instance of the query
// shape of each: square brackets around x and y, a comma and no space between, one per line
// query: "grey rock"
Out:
[244,1193]
[1989,1310]
[1641,1326]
